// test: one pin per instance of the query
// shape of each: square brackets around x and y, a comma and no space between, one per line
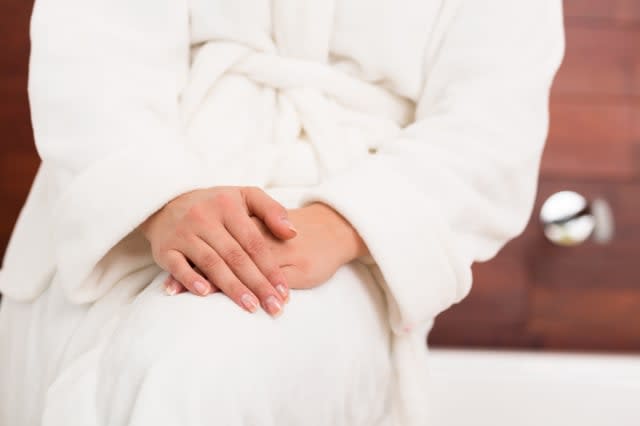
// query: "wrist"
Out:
[144,227]
[351,246]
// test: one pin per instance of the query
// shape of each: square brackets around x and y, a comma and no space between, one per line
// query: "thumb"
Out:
[273,214]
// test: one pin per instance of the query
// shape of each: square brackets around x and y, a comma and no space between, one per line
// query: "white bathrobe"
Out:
[421,121]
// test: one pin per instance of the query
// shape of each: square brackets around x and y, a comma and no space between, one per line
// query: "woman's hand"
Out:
[211,231]
[325,242]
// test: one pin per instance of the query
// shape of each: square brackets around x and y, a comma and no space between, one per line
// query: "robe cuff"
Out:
[108,201]
[411,247]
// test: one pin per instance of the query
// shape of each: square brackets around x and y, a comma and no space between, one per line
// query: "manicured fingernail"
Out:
[289,224]
[201,288]
[249,302]
[273,306]
[283,292]
[171,287]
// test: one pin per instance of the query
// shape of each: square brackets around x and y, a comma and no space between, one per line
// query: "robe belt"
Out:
[342,116]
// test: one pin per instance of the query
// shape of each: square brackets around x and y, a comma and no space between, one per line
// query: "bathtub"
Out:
[477,388]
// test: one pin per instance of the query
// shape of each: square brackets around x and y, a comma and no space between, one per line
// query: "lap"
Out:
[147,356]
[348,311]
[326,356]
[340,321]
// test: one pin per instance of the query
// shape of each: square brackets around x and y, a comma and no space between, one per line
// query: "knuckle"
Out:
[182,233]
[235,257]
[222,199]
[209,261]
[255,244]
[196,214]
[174,265]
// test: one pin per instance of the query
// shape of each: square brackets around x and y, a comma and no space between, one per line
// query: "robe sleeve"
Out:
[460,181]
[104,82]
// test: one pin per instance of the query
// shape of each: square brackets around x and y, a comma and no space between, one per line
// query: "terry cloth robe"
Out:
[421,121]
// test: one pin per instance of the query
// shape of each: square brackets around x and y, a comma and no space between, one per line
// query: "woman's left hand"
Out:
[324,243]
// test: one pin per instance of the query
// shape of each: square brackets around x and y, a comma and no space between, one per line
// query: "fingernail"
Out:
[249,302]
[289,224]
[201,287]
[283,292]
[273,306]
[171,288]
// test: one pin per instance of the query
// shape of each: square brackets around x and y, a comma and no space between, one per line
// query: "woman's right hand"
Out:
[211,230]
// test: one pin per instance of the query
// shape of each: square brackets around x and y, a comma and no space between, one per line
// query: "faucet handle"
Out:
[568,219]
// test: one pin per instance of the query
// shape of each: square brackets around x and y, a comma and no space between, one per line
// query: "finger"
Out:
[214,289]
[244,230]
[214,267]
[176,264]
[272,213]
[173,286]
[242,267]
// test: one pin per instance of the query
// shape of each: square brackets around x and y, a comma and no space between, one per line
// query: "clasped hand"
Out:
[240,241]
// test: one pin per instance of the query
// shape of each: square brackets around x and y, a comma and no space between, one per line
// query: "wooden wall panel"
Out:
[600,61]
[509,280]
[18,159]
[593,129]
[619,12]
[635,80]
[589,139]
[17,169]
[607,41]
[635,129]
[595,75]
[15,123]
[576,318]
[482,319]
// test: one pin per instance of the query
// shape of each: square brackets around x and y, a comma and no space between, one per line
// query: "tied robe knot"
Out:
[318,120]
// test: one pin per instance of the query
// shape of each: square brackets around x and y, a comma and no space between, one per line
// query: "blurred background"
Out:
[535,294]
